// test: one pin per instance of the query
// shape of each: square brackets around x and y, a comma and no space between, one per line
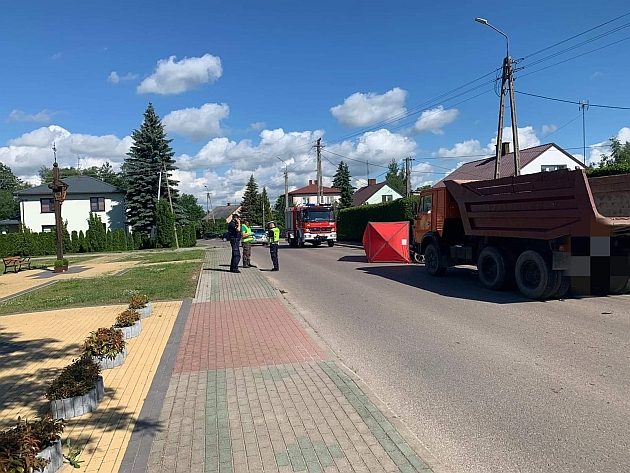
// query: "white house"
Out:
[85,194]
[548,157]
[374,193]
[308,195]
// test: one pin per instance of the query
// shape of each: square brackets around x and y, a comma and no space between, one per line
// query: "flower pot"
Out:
[133,331]
[146,311]
[108,363]
[78,405]
[54,455]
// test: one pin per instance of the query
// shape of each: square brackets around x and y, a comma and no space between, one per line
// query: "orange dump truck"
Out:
[541,231]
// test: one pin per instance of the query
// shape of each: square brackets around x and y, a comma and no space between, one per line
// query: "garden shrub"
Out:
[76,379]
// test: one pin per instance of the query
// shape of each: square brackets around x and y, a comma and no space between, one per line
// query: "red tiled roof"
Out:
[365,192]
[484,168]
[311,189]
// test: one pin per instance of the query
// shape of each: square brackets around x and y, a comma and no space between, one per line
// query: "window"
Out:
[387,197]
[48,228]
[427,200]
[305,200]
[552,167]
[97,204]
[47,205]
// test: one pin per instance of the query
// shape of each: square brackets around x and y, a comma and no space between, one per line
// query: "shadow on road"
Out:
[460,283]
[354,259]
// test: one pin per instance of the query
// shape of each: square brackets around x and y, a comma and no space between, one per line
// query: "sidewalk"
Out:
[243,387]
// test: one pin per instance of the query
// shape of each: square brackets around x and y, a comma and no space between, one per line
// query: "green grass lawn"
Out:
[48,262]
[160,282]
[163,256]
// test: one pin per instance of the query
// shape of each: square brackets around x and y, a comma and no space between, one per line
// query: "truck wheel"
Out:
[553,287]
[331,243]
[432,260]
[565,285]
[317,243]
[532,274]
[492,268]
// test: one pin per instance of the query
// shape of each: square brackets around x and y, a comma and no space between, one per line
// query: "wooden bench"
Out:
[16,262]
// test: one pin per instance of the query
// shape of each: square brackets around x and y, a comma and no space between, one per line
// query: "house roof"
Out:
[222,212]
[365,192]
[9,222]
[311,189]
[76,185]
[484,168]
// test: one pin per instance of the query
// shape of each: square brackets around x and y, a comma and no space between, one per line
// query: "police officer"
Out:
[247,240]
[273,235]
[234,234]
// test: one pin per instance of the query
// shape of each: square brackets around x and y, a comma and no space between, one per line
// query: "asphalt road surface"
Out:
[488,381]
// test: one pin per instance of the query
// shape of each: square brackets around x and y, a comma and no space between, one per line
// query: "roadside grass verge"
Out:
[48,262]
[160,282]
[163,256]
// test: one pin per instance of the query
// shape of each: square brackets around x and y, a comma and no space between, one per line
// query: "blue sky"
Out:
[239,83]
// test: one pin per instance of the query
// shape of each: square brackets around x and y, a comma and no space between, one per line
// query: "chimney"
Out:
[228,204]
[505,148]
[371,182]
[310,182]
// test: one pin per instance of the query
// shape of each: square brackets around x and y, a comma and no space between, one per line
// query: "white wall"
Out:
[551,157]
[377,198]
[76,210]
[312,199]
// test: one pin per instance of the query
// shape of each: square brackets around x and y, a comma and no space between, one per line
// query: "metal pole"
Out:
[584,107]
[319,171]
[497,162]
[286,188]
[170,201]
[408,175]
[517,151]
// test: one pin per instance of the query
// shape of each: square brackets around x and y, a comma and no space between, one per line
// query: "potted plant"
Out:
[129,323]
[106,346]
[58,266]
[30,446]
[76,390]
[140,303]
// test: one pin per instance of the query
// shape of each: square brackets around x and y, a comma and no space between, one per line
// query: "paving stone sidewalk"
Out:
[247,389]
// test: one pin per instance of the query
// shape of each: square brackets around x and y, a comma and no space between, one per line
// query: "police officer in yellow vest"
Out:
[273,235]
[247,240]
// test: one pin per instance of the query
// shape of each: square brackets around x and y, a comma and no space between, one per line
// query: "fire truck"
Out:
[311,223]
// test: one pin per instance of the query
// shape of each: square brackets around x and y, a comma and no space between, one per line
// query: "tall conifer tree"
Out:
[341,180]
[150,154]
[264,203]
[251,200]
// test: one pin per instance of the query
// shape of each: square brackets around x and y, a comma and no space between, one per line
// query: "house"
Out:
[547,157]
[374,193]
[308,195]
[85,194]
[9,226]
[222,213]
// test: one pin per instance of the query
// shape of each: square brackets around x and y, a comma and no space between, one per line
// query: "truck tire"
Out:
[331,243]
[433,260]
[532,274]
[317,243]
[565,286]
[553,287]
[492,268]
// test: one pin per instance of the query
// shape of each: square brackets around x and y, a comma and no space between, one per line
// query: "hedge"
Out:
[608,171]
[351,222]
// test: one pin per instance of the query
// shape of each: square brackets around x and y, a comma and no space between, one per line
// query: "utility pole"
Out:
[286,188]
[367,170]
[320,197]
[170,201]
[408,175]
[584,108]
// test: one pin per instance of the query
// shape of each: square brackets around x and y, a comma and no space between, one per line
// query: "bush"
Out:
[104,343]
[20,444]
[119,240]
[74,242]
[138,301]
[75,380]
[608,170]
[351,222]
[127,318]
[96,235]
[83,247]
[164,221]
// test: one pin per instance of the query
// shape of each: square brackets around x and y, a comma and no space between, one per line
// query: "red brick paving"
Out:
[239,333]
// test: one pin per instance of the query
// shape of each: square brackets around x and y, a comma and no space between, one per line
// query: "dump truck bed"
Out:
[545,206]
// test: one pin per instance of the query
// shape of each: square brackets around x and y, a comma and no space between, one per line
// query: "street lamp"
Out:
[485,22]
[209,199]
[286,183]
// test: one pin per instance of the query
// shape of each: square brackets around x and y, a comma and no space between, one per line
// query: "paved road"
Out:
[489,382]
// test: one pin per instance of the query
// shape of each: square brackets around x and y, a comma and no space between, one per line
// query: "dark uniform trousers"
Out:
[273,251]
[236,253]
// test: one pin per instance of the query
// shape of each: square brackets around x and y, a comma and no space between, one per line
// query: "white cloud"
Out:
[116,78]
[173,77]
[435,119]
[603,147]
[21,116]
[197,123]
[547,129]
[27,153]
[465,148]
[257,126]
[366,109]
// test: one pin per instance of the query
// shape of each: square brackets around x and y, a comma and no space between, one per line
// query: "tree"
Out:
[192,212]
[105,173]
[250,203]
[278,212]
[395,177]
[619,155]
[149,155]
[9,183]
[341,180]
[264,203]
[165,221]
[96,236]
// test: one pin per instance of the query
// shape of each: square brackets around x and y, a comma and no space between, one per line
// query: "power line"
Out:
[555,99]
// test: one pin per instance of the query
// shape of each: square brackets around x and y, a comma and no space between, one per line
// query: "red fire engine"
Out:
[311,223]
